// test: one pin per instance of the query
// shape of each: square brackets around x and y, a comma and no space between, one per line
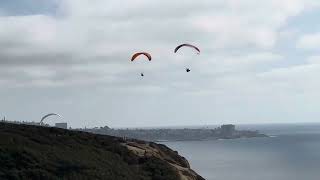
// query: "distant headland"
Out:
[228,131]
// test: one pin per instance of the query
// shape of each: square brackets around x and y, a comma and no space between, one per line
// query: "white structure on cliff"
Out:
[61,125]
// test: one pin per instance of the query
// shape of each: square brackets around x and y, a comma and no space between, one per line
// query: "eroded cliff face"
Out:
[162,152]
[34,152]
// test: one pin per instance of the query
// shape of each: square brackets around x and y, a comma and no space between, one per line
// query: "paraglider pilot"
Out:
[188,70]
[142,74]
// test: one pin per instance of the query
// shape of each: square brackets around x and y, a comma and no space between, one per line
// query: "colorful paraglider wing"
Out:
[141,53]
[48,115]
[187,45]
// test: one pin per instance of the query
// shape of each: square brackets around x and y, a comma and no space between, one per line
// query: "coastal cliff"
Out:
[34,152]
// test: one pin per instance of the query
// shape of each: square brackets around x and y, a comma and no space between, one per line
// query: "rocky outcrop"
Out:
[159,151]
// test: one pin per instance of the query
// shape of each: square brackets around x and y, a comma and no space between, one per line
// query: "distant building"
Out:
[228,130]
[62,125]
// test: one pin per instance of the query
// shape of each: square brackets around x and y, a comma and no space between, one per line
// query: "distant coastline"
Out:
[228,131]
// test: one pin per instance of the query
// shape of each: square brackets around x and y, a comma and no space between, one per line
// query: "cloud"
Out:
[298,79]
[84,47]
[28,7]
[106,33]
[309,41]
[315,59]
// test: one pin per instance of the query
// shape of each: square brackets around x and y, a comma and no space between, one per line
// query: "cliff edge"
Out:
[34,152]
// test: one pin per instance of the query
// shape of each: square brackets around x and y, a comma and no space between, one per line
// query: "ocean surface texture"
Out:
[292,153]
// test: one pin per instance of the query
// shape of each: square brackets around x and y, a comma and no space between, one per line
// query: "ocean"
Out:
[291,153]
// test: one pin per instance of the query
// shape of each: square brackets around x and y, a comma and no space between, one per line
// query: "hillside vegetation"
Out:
[33,152]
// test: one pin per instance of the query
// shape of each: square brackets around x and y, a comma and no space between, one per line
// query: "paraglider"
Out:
[190,46]
[187,45]
[136,55]
[48,115]
[141,53]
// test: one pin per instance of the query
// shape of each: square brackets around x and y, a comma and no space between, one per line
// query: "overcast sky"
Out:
[260,61]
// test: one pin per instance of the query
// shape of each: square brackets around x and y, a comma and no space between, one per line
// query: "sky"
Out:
[259,62]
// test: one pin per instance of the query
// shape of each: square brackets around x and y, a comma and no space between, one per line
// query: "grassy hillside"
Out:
[31,152]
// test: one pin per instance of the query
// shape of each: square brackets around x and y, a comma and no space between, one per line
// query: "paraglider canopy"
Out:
[139,54]
[136,55]
[48,115]
[187,45]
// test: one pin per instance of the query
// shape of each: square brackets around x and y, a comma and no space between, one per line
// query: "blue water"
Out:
[293,154]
